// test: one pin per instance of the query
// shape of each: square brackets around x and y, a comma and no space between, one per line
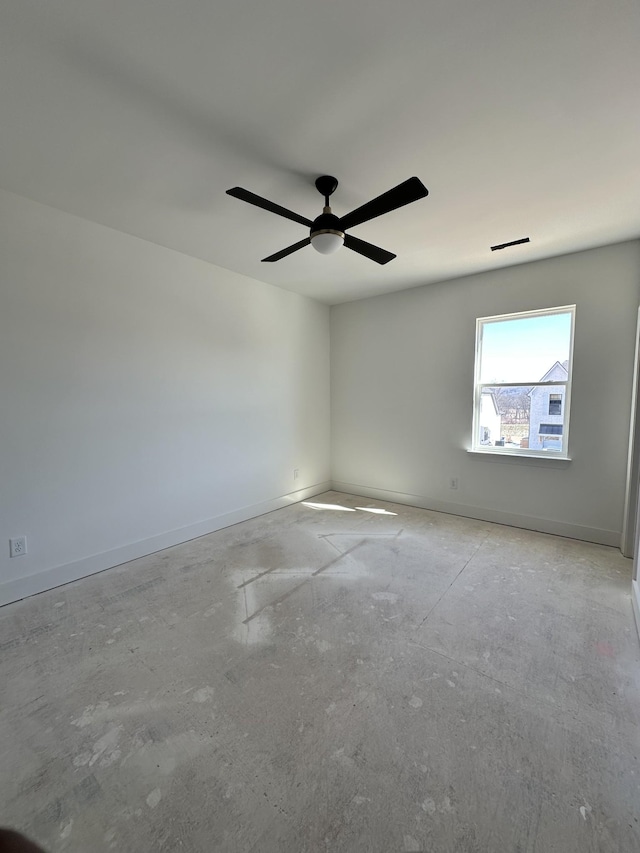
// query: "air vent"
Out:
[512,243]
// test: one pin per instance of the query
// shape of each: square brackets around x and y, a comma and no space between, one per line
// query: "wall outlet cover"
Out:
[17,546]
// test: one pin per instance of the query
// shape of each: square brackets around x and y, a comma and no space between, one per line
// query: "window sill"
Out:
[526,458]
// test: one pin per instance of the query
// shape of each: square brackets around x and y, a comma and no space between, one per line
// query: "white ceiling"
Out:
[522,117]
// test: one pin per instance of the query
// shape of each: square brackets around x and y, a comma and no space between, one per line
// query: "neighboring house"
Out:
[489,427]
[547,410]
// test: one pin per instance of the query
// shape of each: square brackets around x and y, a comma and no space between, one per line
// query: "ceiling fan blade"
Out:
[288,251]
[265,204]
[374,253]
[406,192]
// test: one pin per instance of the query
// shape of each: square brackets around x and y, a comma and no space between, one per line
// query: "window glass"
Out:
[522,350]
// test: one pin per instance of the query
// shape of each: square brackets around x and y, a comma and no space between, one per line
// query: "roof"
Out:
[556,371]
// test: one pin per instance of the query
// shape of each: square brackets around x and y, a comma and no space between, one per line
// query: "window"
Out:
[550,429]
[555,404]
[523,382]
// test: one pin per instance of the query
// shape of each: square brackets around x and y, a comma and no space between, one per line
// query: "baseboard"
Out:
[635,599]
[541,525]
[42,581]
[56,576]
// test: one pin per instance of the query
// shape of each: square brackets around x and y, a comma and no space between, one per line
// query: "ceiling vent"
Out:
[512,243]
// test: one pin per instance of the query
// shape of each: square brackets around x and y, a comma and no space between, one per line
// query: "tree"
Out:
[513,404]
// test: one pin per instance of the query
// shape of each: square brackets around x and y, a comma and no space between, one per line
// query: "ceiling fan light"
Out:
[327,241]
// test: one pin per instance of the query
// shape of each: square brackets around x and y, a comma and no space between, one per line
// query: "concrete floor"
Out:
[330,680]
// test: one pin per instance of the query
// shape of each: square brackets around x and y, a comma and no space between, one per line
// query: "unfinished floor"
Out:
[349,676]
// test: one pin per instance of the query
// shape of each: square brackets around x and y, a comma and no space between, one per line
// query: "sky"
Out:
[522,350]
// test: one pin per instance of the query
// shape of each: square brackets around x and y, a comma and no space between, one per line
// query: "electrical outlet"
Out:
[296,473]
[17,546]
[454,482]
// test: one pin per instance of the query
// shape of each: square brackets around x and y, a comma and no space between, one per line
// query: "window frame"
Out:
[497,450]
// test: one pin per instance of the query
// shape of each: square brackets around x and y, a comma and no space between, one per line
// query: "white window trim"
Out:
[478,386]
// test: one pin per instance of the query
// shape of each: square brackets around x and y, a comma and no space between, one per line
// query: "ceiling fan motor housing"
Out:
[326,236]
[326,223]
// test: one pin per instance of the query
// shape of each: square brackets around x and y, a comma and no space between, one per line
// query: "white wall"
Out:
[402,380]
[146,397]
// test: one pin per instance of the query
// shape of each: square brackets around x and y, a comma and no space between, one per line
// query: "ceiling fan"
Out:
[327,231]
